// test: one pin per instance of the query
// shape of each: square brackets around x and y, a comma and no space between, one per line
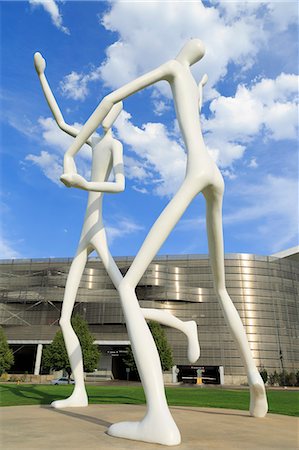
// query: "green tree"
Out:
[163,347]
[55,355]
[6,354]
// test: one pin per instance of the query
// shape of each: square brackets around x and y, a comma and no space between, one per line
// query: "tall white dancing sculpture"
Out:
[202,175]
[106,153]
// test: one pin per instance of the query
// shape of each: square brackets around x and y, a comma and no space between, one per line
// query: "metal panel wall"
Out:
[263,289]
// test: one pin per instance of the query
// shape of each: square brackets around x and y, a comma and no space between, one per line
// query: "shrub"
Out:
[274,379]
[292,379]
[283,378]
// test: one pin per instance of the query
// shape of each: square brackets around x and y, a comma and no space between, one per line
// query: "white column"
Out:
[38,359]
[175,372]
[221,373]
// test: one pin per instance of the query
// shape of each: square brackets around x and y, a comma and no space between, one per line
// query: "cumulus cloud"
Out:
[269,212]
[50,165]
[123,228]
[51,162]
[75,85]
[283,14]
[253,163]
[50,6]
[268,107]
[7,249]
[59,140]
[275,201]
[158,158]
[150,33]
[279,14]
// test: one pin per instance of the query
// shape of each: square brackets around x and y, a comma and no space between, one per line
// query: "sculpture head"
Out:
[192,52]
[39,63]
[112,116]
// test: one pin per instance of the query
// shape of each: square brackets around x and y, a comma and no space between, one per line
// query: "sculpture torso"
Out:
[186,99]
[100,171]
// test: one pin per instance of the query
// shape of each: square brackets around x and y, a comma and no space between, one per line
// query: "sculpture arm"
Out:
[201,84]
[161,73]
[75,180]
[40,65]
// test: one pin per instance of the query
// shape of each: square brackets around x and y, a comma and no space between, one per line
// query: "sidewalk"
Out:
[42,427]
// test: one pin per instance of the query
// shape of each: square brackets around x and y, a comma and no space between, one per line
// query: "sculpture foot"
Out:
[258,398]
[258,401]
[77,399]
[157,431]
[193,344]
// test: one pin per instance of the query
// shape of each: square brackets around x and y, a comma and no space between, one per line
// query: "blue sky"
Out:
[249,119]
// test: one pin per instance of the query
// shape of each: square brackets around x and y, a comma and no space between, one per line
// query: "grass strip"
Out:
[280,401]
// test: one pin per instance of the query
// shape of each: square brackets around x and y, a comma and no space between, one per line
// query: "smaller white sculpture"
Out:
[106,154]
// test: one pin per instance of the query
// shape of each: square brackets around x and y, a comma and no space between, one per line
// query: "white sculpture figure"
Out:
[202,175]
[105,151]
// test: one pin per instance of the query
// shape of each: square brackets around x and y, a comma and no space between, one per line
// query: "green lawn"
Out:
[280,401]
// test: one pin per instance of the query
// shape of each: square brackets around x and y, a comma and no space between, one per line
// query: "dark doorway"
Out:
[118,368]
[24,355]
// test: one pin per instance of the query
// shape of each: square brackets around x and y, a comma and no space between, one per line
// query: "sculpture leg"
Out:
[99,243]
[258,399]
[189,328]
[79,396]
[158,418]
[158,425]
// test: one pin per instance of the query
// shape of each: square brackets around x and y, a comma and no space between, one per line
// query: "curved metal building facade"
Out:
[263,289]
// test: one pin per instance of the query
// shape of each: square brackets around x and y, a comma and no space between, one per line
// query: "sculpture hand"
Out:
[39,63]
[73,180]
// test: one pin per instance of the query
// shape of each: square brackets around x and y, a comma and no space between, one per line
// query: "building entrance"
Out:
[24,356]
[207,374]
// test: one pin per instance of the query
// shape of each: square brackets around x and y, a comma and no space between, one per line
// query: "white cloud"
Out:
[21,124]
[268,107]
[268,215]
[49,164]
[275,201]
[278,13]
[140,190]
[150,33]
[7,250]
[283,14]
[253,163]
[59,140]
[53,136]
[123,228]
[135,170]
[50,6]
[75,85]
[160,107]
[158,159]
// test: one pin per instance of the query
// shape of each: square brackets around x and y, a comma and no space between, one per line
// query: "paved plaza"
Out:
[42,427]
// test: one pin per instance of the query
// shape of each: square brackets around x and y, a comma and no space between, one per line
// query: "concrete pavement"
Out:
[43,428]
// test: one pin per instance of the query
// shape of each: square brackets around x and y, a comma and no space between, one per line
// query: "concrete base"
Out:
[42,427]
